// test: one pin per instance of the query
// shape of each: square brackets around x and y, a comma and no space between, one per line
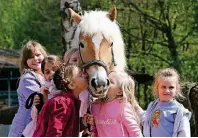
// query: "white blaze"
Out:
[97,39]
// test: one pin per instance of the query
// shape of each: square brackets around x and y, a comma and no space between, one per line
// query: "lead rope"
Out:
[90,100]
[113,60]
[30,100]
[80,54]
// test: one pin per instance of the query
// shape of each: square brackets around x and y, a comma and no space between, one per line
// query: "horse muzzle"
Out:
[99,87]
[99,83]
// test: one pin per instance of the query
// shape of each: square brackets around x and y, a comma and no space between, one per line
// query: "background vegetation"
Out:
[157,33]
[22,20]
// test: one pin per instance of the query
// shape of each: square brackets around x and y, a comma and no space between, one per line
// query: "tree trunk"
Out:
[68,26]
[173,49]
[193,103]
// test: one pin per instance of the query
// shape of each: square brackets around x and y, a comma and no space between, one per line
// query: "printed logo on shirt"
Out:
[156,118]
[106,122]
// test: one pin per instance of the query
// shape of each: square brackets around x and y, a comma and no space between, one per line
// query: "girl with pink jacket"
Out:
[117,115]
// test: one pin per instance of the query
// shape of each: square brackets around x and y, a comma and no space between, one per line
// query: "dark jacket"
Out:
[59,117]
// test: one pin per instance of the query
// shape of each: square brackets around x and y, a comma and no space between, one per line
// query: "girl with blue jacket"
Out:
[165,117]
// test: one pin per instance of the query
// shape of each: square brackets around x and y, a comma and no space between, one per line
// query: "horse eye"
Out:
[111,44]
[81,45]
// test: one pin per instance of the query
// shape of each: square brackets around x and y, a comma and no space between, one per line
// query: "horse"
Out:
[101,47]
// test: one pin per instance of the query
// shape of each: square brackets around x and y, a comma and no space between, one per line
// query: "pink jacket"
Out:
[114,119]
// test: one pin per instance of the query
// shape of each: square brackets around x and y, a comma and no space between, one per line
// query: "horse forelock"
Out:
[97,22]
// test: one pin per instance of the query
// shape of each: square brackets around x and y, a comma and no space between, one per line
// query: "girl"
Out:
[117,116]
[165,117]
[60,115]
[31,80]
[49,66]
[71,57]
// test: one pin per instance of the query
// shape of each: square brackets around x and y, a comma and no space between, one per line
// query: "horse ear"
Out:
[112,13]
[75,16]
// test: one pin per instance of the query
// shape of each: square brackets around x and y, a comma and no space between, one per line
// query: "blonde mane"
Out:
[94,22]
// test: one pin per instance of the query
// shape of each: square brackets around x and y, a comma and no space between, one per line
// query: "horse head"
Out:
[101,47]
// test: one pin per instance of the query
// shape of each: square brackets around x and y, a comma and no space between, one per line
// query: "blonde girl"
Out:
[31,80]
[165,117]
[116,117]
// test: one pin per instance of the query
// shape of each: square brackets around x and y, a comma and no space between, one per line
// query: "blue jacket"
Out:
[28,84]
[181,124]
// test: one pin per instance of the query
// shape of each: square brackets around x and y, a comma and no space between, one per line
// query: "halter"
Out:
[95,61]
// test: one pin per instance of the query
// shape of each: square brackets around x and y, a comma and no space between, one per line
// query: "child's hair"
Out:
[127,86]
[63,77]
[26,53]
[50,59]
[68,55]
[165,73]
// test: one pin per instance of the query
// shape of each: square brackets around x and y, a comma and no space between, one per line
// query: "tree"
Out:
[22,20]
[164,26]
[68,26]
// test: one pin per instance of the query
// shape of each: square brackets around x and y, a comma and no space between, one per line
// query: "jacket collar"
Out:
[69,94]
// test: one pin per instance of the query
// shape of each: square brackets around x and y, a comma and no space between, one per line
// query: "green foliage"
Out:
[157,33]
[22,20]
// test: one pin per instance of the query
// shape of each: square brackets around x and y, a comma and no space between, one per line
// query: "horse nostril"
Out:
[98,84]
[93,83]
[108,82]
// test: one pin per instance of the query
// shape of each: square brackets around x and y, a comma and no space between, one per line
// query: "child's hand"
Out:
[45,92]
[86,133]
[37,100]
[89,119]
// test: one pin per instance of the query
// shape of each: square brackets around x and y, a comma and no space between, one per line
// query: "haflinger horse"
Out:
[101,47]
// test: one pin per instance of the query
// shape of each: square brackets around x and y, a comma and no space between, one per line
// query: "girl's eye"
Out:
[47,72]
[54,68]
[74,60]
[38,55]
[111,81]
[163,87]
[80,74]
[171,87]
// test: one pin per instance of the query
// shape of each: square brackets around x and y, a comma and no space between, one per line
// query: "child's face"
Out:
[74,59]
[35,61]
[114,89]
[167,89]
[49,70]
[80,81]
